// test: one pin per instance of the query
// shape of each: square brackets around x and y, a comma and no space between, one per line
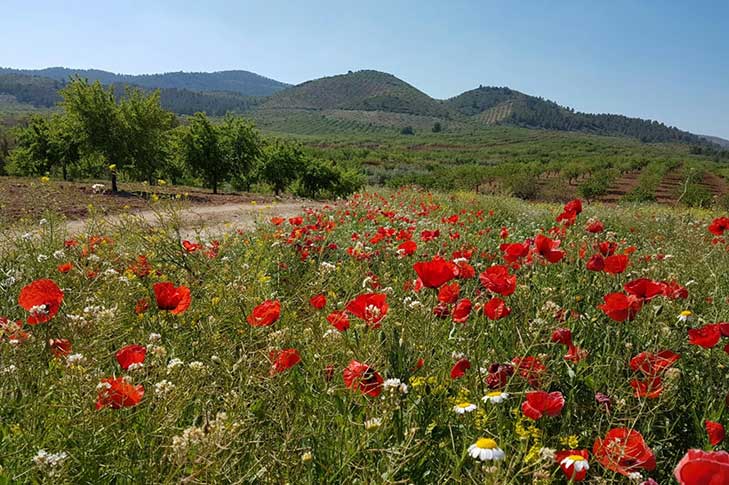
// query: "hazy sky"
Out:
[664,60]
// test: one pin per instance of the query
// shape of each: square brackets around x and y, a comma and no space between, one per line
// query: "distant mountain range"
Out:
[364,99]
[241,82]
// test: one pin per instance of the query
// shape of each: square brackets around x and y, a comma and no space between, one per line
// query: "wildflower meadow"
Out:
[398,336]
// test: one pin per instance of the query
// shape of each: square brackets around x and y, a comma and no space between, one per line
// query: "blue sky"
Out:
[664,60]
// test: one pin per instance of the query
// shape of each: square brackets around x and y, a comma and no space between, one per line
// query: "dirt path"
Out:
[208,221]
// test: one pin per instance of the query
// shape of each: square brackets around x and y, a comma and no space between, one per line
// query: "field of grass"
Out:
[396,337]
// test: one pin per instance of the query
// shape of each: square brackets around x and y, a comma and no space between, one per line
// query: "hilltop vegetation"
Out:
[241,82]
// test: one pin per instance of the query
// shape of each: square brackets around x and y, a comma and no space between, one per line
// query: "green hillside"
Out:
[361,91]
[241,82]
[25,93]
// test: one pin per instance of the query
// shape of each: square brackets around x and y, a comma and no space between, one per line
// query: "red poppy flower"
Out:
[296,221]
[616,263]
[116,393]
[191,247]
[441,310]
[607,248]
[719,225]
[498,375]
[338,320]
[464,270]
[698,467]
[715,431]
[462,310]
[277,221]
[449,292]
[141,267]
[652,364]
[650,388]
[265,314]
[620,307]
[595,227]
[572,463]
[542,403]
[436,272]
[644,288]
[530,368]
[131,355]
[459,368]
[571,210]
[318,301]
[624,451]
[13,331]
[42,298]
[370,307]
[595,263]
[407,248]
[706,336]
[361,377]
[141,306]
[282,360]
[496,309]
[547,248]
[60,347]
[65,267]
[173,299]
[564,337]
[672,290]
[498,280]
[515,251]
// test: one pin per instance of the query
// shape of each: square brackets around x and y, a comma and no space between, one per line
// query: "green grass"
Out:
[300,427]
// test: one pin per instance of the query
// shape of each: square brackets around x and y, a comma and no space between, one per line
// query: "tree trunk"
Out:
[215,186]
[65,172]
[114,188]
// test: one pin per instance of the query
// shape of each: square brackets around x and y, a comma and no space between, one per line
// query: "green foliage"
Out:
[282,162]
[202,151]
[145,127]
[407,130]
[437,127]
[241,149]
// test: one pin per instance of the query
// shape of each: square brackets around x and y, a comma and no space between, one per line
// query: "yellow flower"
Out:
[161,182]
[112,167]
[44,179]
[154,198]
[571,441]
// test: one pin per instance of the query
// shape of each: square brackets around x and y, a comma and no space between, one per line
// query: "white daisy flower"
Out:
[464,407]
[495,397]
[685,316]
[578,462]
[486,449]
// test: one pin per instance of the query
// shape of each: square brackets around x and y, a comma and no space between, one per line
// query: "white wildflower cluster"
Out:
[332,333]
[210,437]
[173,364]
[59,254]
[49,463]
[412,303]
[395,386]
[41,258]
[373,424]
[326,267]
[93,314]
[75,359]
[196,366]
[163,388]
[98,188]
[10,369]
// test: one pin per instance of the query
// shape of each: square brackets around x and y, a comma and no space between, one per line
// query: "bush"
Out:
[408,130]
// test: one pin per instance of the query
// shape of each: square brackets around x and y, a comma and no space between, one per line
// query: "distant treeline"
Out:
[42,92]
[99,131]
